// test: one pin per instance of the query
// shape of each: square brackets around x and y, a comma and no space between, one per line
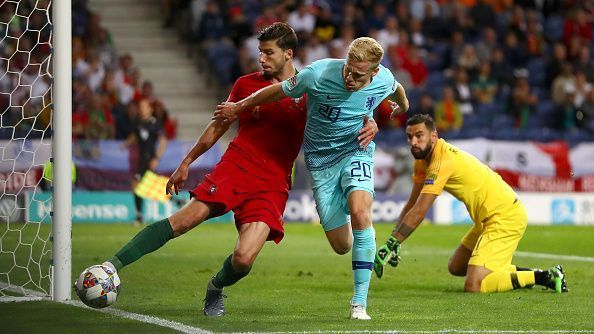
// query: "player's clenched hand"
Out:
[367,132]
[396,110]
[177,179]
[387,253]
[227,112]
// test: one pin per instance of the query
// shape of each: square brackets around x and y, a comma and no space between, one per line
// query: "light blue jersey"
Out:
[334,114]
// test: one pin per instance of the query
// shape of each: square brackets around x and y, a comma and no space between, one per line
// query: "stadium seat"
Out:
[502,121]
[542,135]
[537,72]
[576,136]
[397,137]
[553,28]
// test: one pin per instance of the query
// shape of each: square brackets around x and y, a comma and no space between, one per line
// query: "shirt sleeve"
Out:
[299,84]
[439,172]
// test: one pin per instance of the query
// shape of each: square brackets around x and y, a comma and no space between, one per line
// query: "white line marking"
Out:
[178,326]
[556,257]
[434,331]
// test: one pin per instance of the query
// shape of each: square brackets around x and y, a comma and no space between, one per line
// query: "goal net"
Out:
[26,82]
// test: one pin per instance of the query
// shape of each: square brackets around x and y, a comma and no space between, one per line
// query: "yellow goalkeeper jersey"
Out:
[475,184]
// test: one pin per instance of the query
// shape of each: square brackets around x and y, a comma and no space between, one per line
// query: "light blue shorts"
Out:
[331,188]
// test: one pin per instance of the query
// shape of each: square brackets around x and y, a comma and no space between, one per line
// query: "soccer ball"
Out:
[98,286]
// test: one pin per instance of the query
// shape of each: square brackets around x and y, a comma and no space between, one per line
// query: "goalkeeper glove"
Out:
[387,253]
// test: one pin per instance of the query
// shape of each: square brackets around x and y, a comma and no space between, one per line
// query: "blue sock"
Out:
[363,254]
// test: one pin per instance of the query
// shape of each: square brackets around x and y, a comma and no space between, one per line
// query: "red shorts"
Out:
[251,199]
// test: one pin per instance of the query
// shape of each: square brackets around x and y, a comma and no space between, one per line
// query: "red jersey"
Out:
[269,136]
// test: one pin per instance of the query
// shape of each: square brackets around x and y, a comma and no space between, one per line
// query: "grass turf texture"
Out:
[301,285]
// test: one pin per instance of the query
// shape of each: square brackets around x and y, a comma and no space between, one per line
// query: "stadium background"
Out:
[531,118]
[509,81]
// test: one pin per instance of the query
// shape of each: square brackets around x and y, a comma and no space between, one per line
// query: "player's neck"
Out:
[287,72]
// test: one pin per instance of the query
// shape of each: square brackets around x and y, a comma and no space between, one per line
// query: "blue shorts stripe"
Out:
[362,265]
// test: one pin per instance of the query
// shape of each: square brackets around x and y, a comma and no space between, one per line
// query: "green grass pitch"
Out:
[301,285]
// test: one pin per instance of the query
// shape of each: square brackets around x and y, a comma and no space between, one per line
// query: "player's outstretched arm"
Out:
[412,214]
[211,134]
[229,111]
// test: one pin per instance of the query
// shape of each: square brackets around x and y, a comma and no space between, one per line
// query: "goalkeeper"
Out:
[485,253]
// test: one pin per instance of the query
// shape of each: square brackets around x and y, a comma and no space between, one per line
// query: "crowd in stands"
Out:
[505,69]
[106,86]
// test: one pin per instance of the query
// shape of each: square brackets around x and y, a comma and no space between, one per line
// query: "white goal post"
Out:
[62,152]
[35,109]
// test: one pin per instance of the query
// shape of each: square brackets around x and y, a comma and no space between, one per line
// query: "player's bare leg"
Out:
[341,239]
[458,264]
[359,202]
[474,277]
[190,216]
[250,241]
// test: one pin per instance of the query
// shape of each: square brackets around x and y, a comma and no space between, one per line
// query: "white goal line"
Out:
[178,326]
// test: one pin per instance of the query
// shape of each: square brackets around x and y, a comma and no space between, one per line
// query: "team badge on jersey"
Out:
[370,102]
[430,179]
[292,82]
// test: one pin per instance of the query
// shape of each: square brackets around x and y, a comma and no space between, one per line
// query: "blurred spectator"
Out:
[448,116]
[415,66]
[514,52]
[98,120]
[468,60]
[487,44]
[581,88]
[533,35]
[482,14]
[585,63]
[316,50]
[562,82]
[418,8]
[555,63]
[426,106]
[399,53]
[239,27]
[388,36]
[212,25]
[376,19]
[585,113]
[578,23]
[324,29]
[433,25]
[302,20]
[567,112]
[339,46]
[522,101]
[462,91]
[484,87]
[416,33]
[162,116]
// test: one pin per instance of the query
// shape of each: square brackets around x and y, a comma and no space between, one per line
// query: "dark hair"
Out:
[422,118]
[283,34]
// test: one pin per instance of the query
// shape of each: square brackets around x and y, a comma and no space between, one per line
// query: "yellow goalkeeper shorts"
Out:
[493,247]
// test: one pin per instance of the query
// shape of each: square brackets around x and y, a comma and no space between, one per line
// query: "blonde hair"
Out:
[366,49]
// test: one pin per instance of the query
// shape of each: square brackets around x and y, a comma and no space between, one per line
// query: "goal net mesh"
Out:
[25,148]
